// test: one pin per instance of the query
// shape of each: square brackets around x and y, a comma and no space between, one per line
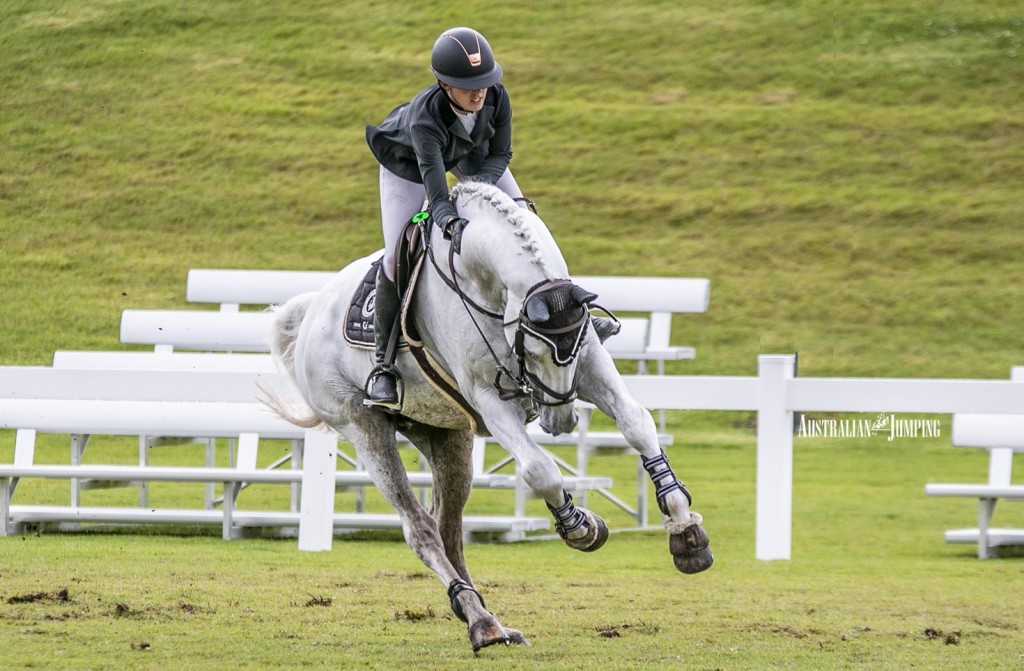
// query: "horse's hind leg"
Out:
[374,434]
[450,454]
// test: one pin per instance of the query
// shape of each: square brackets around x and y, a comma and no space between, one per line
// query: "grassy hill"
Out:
[848,177]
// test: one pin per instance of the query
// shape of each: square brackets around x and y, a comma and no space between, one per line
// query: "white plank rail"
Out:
[166,361]
[197,330]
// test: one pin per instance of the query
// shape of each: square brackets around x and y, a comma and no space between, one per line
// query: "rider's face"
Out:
[467,99]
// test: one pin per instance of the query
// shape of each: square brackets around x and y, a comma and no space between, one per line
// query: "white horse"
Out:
[499,317]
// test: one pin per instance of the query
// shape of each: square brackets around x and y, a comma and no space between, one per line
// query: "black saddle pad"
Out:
[359,321]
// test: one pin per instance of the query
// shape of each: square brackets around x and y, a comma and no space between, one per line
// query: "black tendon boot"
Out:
[383,380]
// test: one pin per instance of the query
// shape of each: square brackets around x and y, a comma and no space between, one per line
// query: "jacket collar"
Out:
[451,117]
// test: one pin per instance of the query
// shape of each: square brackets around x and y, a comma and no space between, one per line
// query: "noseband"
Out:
[527,384]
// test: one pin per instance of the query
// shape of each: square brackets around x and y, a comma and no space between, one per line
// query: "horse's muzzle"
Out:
[558,419]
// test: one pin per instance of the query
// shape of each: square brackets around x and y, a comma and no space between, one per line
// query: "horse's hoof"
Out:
[690,548]
[485,634]
[516,637]
[597,534]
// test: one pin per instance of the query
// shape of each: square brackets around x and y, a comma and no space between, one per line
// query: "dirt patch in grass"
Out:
[617,630]
[323,601]
[60,596]
[417,615]
[949,638]
[124,610]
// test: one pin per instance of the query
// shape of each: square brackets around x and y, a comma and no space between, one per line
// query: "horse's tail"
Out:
[285,402]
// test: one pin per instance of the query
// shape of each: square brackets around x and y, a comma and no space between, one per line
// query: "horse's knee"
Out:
[638,427]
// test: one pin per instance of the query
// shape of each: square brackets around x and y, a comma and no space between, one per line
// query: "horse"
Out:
[495,310]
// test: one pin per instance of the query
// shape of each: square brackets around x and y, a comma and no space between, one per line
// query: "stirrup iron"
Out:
[376,372]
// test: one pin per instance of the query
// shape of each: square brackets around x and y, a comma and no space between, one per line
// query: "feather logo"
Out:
[881,422]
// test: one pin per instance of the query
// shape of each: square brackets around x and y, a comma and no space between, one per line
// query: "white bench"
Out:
[661,297]
[200,330]
[658,298]
[1002,436]
[575,483]
[84,403]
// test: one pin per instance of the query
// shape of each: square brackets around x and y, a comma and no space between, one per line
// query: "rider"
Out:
[463,125]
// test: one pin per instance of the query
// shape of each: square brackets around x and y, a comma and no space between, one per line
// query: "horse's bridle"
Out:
[527,384]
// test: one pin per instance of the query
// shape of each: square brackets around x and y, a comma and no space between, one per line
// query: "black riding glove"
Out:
[452,230]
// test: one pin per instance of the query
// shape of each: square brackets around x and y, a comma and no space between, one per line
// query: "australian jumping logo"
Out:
[888,425]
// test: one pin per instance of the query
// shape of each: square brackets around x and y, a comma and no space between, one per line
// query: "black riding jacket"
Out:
[423,139]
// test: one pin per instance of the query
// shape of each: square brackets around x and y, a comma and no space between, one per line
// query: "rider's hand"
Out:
[452,230]
[451,225]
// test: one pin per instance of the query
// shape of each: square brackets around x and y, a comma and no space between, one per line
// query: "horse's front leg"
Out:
[601,384]
[580,528]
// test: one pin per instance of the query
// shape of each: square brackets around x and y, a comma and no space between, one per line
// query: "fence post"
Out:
[316,507]
[774,458]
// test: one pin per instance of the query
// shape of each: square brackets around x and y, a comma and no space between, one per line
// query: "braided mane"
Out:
[506,209]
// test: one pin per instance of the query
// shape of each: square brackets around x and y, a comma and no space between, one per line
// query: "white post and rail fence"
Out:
[775,394]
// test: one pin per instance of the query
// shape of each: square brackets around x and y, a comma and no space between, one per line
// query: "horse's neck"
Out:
[507,260]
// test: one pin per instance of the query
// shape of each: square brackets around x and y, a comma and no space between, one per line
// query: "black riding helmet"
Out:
[463,59]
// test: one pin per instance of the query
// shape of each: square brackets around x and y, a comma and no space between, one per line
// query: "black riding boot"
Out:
[383,381]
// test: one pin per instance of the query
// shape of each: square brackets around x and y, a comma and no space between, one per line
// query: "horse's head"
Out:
[546,337]
[506,253]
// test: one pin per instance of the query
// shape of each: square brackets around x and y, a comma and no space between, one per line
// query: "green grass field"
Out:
[847,176]
[870,585]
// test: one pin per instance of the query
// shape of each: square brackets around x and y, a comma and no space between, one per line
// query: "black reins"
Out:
[526,383]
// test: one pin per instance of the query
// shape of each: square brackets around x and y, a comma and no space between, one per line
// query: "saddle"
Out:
[359,331]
